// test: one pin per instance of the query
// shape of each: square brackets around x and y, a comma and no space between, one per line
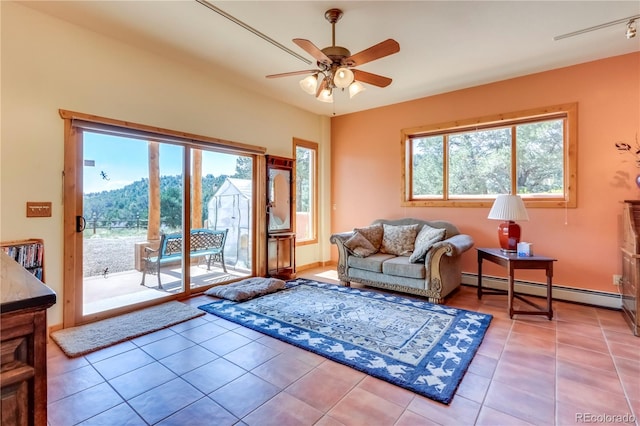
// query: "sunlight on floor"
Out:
[331,275]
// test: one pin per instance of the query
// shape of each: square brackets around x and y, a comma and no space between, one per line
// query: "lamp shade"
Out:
[508,207]
[355,88]
[343,77]
[309,84]
[325,96]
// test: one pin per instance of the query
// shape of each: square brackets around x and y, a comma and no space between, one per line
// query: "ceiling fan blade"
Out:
[375,79]
[287,74]
[321,87]
[380,50]
[312,50]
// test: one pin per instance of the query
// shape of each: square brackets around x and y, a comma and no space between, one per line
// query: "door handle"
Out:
[81,223]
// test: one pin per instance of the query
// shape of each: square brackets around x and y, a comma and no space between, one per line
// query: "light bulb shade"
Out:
[309,84]
[508,207]
[325,96]
[355,88]
[343,77]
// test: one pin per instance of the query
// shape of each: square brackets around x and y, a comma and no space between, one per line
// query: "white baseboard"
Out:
[568,294]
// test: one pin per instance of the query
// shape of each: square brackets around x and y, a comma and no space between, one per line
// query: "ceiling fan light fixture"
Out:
[355,88]
[309,84]
[334,65]
[631,29]
[326,96]
[343,77]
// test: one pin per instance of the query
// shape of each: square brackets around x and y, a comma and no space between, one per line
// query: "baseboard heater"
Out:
[568,294]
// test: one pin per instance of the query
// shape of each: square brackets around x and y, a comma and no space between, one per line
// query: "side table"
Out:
[512,261]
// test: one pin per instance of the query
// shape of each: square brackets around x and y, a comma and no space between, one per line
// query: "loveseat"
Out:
[407,255]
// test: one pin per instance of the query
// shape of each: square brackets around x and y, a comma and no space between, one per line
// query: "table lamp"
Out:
[508,208]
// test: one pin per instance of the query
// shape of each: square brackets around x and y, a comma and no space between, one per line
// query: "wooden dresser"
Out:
[23,344]
[630,285]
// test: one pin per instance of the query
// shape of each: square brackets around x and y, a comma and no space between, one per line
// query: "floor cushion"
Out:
[246,289]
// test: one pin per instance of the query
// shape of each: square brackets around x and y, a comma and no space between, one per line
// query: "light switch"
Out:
[38,208]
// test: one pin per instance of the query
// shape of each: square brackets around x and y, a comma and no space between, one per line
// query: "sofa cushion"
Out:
[403,284]
[359,245]
[426,238]
[398,240]
[371,263]
[401,266]
[373,233]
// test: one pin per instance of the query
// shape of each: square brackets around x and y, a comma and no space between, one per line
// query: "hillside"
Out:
[125,206]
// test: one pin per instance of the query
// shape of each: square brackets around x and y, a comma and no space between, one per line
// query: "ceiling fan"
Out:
[335,65]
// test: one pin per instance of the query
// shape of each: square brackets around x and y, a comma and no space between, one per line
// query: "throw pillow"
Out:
[426,238]
[359,245]
[398,239]
[373,233]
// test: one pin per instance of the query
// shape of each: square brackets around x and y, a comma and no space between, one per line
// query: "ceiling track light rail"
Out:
[249,28]
[630,32]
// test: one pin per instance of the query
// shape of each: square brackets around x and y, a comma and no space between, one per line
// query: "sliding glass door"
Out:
[222,217]
[132,193]
[134,213]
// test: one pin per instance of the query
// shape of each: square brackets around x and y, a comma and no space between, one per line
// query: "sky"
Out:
[112,162]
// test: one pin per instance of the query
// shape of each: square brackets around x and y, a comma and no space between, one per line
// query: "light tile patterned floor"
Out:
[581,367]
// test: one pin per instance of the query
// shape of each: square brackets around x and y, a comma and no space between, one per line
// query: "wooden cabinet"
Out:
[23,344]
[281,252]
[630,285]
[281,240]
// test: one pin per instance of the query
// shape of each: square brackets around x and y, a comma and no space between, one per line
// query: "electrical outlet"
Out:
[617,279]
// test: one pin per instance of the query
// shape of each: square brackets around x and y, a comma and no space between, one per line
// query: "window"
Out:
[306,192]
[467,163]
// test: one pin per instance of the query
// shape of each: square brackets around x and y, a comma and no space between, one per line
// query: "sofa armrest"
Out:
[455,245]
[343,253]
[340,238]
[443,263]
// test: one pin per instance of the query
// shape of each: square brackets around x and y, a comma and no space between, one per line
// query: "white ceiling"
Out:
[444,45]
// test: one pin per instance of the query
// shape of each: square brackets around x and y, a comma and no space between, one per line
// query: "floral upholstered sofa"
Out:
[407,255]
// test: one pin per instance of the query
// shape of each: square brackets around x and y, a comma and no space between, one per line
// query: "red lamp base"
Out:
[509,236]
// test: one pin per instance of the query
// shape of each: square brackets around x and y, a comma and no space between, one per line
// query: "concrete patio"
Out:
[119,289]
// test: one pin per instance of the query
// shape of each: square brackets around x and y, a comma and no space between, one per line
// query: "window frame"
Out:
[568,111]
[313,189]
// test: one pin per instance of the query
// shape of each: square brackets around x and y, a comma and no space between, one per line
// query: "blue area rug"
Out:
[420,346]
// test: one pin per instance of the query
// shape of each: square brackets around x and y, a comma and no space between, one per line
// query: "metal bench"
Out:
[204,243]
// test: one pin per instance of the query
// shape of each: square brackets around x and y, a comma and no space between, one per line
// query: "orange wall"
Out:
[366,169]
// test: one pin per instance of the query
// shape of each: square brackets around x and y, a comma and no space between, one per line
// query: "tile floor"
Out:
[581,367]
